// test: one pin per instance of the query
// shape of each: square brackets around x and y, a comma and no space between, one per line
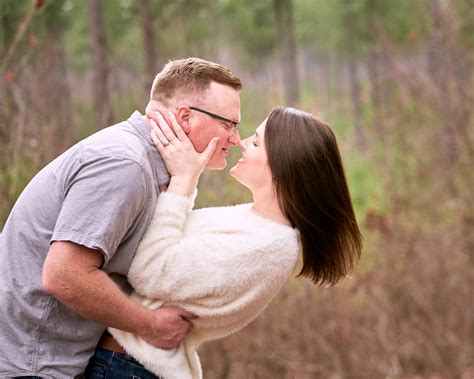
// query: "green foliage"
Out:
[254,110]
[252,25]
[123,34]
[342,124]
[77,39]
[324,24]
[319,23]
[365,185]
[247,29]
[465,11]
[13,179]
[11,13]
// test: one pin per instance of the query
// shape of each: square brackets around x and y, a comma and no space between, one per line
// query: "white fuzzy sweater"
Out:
[222,264]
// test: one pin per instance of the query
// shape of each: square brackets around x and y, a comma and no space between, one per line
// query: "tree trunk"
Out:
[54,76]
[287,44]
[326,82]
[373,67]
[100,67]
[6,110]
[149,43]
[360,142]
[440,74]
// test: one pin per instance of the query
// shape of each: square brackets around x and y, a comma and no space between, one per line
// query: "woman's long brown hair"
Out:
[313,193]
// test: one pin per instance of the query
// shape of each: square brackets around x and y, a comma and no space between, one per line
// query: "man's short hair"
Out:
[190,75]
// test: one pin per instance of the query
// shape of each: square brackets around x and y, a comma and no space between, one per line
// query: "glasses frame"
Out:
[234,127]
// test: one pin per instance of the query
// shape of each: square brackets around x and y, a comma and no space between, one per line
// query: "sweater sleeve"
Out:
[171,265]
[159,244]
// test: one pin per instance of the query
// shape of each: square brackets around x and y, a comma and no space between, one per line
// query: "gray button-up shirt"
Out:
[101,194]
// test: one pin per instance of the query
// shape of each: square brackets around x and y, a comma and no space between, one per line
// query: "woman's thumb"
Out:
[210,149]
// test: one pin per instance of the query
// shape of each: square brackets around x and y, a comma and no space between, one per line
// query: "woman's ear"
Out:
[183,115]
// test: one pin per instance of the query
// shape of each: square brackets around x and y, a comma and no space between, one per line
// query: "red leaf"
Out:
[9,77]
[39,3]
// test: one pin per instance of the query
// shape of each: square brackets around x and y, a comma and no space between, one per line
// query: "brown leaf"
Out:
[32,41]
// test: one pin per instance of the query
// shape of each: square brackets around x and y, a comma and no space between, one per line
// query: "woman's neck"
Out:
[265,204]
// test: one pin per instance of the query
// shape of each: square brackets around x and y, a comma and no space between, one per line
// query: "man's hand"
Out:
[170,327]
[71,274]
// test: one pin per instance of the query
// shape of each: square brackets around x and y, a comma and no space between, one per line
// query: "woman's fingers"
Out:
[160,140]
[165,128]
[154,107]
[210,149]
[157,142]
[177,127]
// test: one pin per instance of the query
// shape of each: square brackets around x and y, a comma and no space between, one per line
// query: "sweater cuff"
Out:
[174,202]
[192,199]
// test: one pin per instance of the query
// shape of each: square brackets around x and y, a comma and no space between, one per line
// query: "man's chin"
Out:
[215,166]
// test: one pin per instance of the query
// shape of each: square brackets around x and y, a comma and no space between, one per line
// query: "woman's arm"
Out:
[157,261]
[216,266]
[166,260]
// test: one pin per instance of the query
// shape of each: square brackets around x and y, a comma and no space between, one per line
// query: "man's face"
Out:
[223,101]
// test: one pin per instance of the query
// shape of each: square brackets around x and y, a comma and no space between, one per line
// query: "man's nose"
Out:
[234,138]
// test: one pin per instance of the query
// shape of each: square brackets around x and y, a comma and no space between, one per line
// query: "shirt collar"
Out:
[137,121]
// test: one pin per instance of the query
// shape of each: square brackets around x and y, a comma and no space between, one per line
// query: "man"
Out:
[67,245]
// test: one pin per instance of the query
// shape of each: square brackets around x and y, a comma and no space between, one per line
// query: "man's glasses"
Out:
[234,126]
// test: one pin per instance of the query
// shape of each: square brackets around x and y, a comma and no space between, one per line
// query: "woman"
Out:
[226,264]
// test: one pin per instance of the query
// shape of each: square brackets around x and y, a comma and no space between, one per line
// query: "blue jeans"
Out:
[106,364]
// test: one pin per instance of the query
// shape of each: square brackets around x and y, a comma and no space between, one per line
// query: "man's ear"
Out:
[183,115]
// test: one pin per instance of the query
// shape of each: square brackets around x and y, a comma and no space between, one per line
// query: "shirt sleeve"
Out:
[103,200]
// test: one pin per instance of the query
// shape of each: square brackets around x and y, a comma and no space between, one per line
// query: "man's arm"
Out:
[72,274]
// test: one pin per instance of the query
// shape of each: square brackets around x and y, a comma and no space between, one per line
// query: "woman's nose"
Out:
[244,143]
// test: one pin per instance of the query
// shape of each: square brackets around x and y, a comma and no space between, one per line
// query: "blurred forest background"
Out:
[394,78]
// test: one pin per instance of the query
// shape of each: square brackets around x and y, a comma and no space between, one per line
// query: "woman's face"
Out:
[252,169]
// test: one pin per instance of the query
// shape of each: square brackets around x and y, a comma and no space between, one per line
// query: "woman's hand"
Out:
[183,162]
